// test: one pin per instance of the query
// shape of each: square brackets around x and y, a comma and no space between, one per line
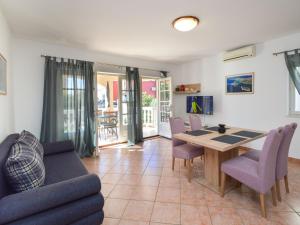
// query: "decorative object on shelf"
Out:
[3,75]
[222,128]
[187,89]
[240,83]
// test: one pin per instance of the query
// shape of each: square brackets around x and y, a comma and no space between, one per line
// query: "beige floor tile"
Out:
[172,182]
[130,179]
[195,215]
[144,193]
[132,222]
[122,191]
[138,210]
[111,178]
[110,221]
[106,189]
[171,195]
[114,208]
[225,216]
[166,213]
[150,181]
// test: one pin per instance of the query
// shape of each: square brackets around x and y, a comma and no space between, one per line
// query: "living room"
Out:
[108,142]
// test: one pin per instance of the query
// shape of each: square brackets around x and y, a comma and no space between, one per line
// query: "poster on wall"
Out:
[240,83]
[3,71]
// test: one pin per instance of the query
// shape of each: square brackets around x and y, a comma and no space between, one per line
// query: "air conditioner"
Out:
[240,53]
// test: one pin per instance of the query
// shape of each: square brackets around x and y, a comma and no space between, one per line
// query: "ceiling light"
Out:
[185,23]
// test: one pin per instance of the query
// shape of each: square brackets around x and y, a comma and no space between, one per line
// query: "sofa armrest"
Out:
[58,147]
[27,203]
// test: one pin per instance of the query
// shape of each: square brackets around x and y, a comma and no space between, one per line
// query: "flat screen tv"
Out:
[199,105]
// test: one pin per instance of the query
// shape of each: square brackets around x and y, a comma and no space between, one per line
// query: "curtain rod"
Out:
[278,53]
[109,64]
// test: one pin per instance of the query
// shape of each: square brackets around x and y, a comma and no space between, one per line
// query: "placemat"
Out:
[228,139]
[197,132]
[249,134]
[215,128]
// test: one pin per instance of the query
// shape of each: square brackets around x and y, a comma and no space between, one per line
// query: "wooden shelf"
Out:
[192,89]
[186,92]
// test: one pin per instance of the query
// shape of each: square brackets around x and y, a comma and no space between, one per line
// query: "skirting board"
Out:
[244,149]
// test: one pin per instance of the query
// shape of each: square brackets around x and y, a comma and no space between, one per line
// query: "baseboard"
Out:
[244,149]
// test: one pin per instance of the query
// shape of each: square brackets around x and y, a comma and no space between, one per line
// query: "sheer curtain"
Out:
[293,65]
[68,108]
[134,105]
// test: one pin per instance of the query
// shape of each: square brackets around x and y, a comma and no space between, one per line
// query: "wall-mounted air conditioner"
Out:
[240,53]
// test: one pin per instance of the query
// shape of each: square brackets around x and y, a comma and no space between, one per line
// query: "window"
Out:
[294,104]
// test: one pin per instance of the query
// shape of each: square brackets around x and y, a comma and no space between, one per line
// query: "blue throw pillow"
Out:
[24,168]
[29,139]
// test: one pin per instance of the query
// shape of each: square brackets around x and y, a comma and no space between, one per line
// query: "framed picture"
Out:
[240,84]
[3,78]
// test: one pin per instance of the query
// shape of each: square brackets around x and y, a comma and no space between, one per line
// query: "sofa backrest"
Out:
[4,150]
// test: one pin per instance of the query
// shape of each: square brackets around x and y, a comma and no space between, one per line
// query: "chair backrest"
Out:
[268,157]
[177,126]
[195,122]
[4,151]
[283,152]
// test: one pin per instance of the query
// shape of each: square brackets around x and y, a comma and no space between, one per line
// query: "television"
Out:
[199,105]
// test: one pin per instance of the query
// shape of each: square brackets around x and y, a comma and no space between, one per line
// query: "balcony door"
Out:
[165,106]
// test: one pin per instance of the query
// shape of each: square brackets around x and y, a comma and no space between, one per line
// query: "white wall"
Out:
[265,109]
[6,119]
[28,71]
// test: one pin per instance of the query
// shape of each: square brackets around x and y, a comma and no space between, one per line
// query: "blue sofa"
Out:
[70,194]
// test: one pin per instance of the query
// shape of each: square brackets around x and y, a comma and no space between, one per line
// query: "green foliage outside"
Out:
[148,100]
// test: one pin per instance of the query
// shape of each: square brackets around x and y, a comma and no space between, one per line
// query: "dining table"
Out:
[218,147]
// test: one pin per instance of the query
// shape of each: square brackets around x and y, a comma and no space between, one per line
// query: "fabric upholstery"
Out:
[195,122]
[4,152]
[24,168]
[260,175]
[181,149]
[29,139]
[283,151]
[36,200]
[58,170]
[58,147]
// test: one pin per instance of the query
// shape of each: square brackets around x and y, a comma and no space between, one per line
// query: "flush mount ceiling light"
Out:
[185,23]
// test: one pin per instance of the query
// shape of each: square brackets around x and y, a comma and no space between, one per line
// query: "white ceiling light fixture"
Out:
[185,23]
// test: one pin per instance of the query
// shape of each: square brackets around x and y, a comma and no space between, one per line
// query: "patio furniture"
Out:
[282,157]
[70,195]
[258,175]
[195,122]
[181,149]
[108,124]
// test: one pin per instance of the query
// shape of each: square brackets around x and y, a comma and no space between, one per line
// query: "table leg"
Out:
[213,161]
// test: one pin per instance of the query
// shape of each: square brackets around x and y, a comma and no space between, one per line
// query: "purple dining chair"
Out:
[181,149]
[282,157]
[195,122]
[258,175]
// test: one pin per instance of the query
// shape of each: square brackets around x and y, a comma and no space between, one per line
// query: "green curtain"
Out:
[134,106]
[293,65]
[68,108]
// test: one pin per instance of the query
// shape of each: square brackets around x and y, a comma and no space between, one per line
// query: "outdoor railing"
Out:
[149,116]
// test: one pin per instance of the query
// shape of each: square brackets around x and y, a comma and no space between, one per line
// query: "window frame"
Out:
[292,99]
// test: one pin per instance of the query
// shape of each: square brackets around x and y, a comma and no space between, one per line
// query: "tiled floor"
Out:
[140,188]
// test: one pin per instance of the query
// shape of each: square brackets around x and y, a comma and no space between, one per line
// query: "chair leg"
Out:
[286,182]
[173,163]
[262,205]
[192,160]
[189,170]
[278,190]
[273,189]
[223,181]
[185,163]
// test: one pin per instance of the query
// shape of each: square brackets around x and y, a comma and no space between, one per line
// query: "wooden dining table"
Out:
[218,147]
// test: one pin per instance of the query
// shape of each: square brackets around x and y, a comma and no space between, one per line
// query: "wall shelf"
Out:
[190,89]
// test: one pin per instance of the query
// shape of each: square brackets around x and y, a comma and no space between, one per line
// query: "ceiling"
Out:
[142,28]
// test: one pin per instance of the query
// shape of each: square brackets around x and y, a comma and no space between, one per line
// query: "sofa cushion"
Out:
[63,166]
[29,139]
[24,168]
